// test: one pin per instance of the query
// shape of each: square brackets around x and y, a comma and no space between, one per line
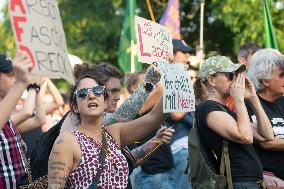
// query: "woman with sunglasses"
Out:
[217,123]
[76,156]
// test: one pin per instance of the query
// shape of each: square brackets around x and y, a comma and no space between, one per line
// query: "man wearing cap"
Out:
[14,78]
[182,52]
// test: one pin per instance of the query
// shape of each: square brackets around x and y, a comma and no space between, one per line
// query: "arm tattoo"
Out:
[143,152]
[56,179]
[130,108]
[152,76]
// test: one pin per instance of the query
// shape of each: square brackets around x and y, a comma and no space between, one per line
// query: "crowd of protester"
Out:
[85,138]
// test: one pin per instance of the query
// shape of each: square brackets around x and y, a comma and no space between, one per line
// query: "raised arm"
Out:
[263,130]
[128,132]
[27,110]
[130,108]
[36,121]
[22,66]
[58,100]
[240,130]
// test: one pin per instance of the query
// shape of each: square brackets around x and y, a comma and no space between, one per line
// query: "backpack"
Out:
[200,172]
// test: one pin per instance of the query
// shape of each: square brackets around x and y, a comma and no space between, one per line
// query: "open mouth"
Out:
[92,105]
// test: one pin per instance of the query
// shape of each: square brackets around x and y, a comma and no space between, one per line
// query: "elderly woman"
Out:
[220,77]
[267,75]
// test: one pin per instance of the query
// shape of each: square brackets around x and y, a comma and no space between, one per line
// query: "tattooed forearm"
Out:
[143,152]
[129,109]
[152,75]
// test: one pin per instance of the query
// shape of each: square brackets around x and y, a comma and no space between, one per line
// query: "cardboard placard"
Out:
[154,41]
[178,94]
[38,31]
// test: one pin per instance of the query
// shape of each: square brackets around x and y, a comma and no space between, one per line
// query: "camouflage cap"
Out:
[216,64]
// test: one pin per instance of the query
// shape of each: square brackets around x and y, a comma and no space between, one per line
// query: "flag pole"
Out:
[150,10]
[201,43]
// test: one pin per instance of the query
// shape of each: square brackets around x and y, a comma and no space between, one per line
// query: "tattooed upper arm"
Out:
[130,108]
[60,163]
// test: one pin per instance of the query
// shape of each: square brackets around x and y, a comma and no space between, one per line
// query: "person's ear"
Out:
[75,109]
[106,104]
[211,81]
[265,82]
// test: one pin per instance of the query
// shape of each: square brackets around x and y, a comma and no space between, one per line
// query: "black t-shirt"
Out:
[245,165]
[272,160]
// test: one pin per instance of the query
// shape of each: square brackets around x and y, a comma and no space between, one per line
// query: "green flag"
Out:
[270,38]
[127,57]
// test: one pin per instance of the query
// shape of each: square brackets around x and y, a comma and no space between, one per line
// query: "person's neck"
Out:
[269,96]
[91,124]
[216,97]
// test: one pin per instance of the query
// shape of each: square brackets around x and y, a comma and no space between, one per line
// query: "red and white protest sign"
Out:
[154,41]
[38,31]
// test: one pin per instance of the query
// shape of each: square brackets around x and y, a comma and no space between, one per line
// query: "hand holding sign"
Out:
[178,95]
[154,41]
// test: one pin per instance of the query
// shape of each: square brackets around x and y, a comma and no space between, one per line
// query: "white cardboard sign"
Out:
[154,41]
[178,94]
[38,31]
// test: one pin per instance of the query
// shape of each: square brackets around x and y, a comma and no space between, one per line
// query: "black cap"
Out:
[5,64]
[180,45]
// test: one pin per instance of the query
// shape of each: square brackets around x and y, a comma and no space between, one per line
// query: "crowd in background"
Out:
[96,136]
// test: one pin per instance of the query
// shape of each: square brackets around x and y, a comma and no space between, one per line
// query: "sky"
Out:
[2,2]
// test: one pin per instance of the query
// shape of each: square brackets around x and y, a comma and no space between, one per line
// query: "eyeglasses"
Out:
[229,75]
[84,92]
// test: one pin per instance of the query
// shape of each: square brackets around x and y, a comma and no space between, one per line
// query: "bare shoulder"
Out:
[66,140]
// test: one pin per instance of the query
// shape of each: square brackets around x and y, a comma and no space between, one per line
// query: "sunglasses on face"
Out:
[84,92]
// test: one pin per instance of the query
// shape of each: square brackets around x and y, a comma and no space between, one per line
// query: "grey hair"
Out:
[263,64]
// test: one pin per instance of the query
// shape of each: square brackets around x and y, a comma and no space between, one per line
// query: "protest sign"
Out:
[38,31]
[178,94]
[154,41]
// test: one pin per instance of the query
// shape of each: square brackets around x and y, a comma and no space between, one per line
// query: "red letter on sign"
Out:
[141,43]
[19,3]
[26,49]
[18,30]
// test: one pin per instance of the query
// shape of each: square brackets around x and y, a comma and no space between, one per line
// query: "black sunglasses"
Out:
[229,75]
[84,92]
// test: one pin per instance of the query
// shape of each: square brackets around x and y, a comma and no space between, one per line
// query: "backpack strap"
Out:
[225,163]
[225,160]
[102,157]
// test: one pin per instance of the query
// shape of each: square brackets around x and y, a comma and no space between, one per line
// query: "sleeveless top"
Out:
[115,170]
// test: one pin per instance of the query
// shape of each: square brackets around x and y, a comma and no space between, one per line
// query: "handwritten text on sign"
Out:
[178,95]
[38,31]
[154,41]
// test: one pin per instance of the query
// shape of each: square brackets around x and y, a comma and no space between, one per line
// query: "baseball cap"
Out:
[216,64]
[180,45]
[5,64]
